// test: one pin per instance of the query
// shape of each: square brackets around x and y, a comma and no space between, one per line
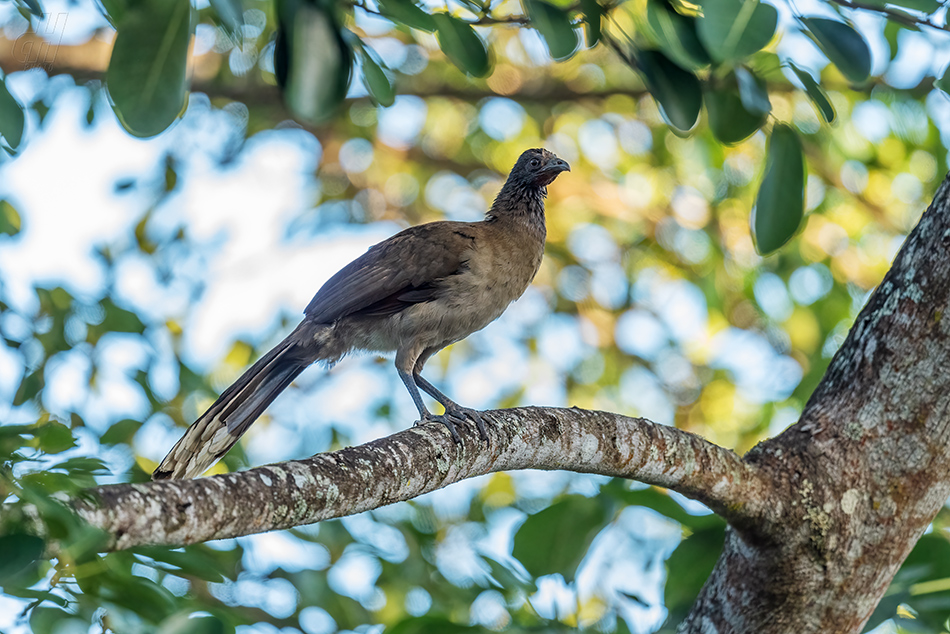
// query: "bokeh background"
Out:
[138,278]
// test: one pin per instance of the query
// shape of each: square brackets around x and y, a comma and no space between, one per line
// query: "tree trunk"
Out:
[821,516]
[859,478]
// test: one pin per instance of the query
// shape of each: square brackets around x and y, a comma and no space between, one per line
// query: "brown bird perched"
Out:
[415,293]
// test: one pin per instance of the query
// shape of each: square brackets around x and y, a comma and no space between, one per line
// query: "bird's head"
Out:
[538,168]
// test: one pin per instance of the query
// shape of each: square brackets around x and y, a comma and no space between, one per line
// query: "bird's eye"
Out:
[535,162]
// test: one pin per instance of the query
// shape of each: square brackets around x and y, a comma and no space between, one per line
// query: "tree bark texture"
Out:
[861,475]
[821,516]
[416,461]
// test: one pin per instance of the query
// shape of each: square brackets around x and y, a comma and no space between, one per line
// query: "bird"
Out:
[414,293]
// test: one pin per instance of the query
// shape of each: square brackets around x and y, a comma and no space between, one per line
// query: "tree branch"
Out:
[891,14]
[416,461]
[863,473]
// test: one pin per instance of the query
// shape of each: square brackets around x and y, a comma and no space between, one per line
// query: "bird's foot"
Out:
[458,415]
[462,413]
[444,419]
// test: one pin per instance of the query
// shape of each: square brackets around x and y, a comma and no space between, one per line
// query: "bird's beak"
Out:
[556,166]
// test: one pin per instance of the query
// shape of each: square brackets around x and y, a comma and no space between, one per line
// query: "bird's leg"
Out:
[452,409]
[424,414]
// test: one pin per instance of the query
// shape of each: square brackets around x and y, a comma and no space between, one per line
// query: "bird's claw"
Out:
[444,419]
[461,413]
[458,416]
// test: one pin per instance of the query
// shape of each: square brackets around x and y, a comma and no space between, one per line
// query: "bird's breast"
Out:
[496,272]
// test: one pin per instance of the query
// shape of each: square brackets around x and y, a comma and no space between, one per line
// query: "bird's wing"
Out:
[395,273]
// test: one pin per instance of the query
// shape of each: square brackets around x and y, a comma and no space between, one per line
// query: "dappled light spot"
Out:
[316,620]
[808,284]
[400,124]
[640,333]
[356,155]
[418,601]
[642,392]
[354,575]
[758,370]
[501,119]
[690,208]
[772,296]
[598,142]
[506,79]
[488,610]
[635,137]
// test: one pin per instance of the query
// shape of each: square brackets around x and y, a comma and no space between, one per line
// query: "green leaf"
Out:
[36,595]
[780,204]
[194,561]
[54,301]
[37,488]
[142,596]
[462,45]
[375,79]
[844,47]
[922,583]
[318,61]
[661,502]
[49,483]
[17,430]
[18,554]
[34,7]
[729,119]
[689,567]
[816,94]
[407,12]
[676,90]
[231,14]
[116,320]
[753,92]
[50,620]
[11,117]
[119,319]
[734,29]
[676,35]
[892,32]
[944,82]
[428,624]
[554,25]
[556,539]
[120,432]
[112,10]
[502,575]
[593,19]
[81,466]
[9,219]
[30,386]
[924,6]
[54,437]
[147,80]
[200,624]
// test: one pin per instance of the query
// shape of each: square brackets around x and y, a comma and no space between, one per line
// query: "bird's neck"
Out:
[518,203]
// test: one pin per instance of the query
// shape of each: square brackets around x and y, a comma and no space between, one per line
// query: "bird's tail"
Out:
[219,428]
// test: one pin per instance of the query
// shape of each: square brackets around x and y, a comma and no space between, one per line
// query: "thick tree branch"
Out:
[862,474]
[416,461]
